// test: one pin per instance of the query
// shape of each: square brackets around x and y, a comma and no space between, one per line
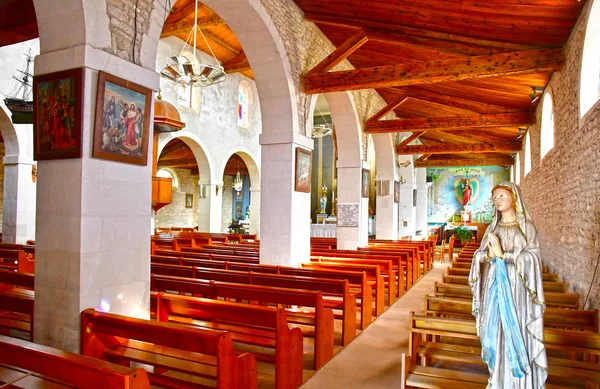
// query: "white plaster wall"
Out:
[422,203]
[213,117]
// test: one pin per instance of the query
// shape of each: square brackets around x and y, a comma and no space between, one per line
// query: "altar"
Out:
[323,230]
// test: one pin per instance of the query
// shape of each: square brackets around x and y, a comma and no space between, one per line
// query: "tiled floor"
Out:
[372,360]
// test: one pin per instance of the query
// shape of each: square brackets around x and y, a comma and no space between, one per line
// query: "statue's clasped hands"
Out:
[494,247]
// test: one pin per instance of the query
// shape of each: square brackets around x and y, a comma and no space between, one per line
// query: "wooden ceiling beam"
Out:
[501,161]
[221,42]
[356,23]
[449,148]
[436,71]
[388,108]
[168,150]
[340,53]
[414,136]
[181,163]
[236,67]
[450,123]
[455,102]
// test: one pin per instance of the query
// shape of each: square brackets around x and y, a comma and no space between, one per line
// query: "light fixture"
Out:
[402,180]
[404,163]
[238,183]
[536,91]
[191,73]
[321,130]
[522,131]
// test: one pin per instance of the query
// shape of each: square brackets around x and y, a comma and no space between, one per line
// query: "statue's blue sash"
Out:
[500,308]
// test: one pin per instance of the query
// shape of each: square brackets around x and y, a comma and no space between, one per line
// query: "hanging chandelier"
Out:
[238,183]
[191,73]
[321,130]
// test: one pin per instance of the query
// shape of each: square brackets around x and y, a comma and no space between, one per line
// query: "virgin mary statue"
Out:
[508,297]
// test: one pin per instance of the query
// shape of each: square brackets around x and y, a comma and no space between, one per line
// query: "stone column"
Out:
[18,214]
[255,211]
[93,217]
[210,206]
[421,210]
[284,212]
[387,211]
[406,210]
[349,186]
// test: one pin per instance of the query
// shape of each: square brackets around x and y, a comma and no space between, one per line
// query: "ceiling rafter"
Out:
[389,108]
[448,148]
[435,71]
[340,53]
[450,123]
[454,162]
[356,23]
[414,136]
[185,26]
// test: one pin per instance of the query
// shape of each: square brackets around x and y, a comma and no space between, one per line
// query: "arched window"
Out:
[589,91]
[517,168]
[168,173]
[547,133]
[242,106]
[527,162]
[184,92]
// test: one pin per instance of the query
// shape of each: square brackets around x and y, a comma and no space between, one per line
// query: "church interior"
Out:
[242,194]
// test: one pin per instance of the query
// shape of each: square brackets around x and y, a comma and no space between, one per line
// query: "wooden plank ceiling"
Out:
[458,74]
[221,39]
[177,155]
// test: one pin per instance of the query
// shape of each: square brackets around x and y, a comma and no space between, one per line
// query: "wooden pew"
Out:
[206,354]
[553,317]
[16,260]
[561,370]
[357,280]
[400,263]
[250,324]
[16,311]
[559,300]
[373,273]
[28,365]
[10,280]
[323,317]
[549,286]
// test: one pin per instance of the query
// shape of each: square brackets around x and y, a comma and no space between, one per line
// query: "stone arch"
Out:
[9,133]
[253,165]
[205,165]
[384,156]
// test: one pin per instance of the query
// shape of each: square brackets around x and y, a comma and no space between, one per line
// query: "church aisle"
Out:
[372,360]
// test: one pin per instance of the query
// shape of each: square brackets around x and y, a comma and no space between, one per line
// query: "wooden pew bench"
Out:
[553,317]
[207,355]
[255,325]
[10,280]
[16,311]
[559,300]
[28,365]
[323,317]
[373,273]
[16,260]
[549,286]
[577,374]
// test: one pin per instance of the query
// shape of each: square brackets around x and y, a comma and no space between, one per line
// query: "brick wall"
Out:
[124,26]
[176,214]
[567,210]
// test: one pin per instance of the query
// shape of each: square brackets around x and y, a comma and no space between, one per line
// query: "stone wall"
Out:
[567,210]
[127,27]
[176,214]
[306,46]
[227,209]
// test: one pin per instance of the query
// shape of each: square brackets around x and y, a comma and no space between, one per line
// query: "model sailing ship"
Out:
[19,101]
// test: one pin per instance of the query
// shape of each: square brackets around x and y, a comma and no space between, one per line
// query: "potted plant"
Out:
[463,234]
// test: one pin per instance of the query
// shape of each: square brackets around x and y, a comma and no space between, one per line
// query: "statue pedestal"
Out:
[321,218]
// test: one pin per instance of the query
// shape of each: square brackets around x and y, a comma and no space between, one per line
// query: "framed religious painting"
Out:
[366,176]
[303,170]
[122,120]
[57,115]
[189,200]
[396,191]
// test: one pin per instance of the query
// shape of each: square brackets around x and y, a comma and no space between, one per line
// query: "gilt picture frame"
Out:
[122,120]
[58,115]
[303,170]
